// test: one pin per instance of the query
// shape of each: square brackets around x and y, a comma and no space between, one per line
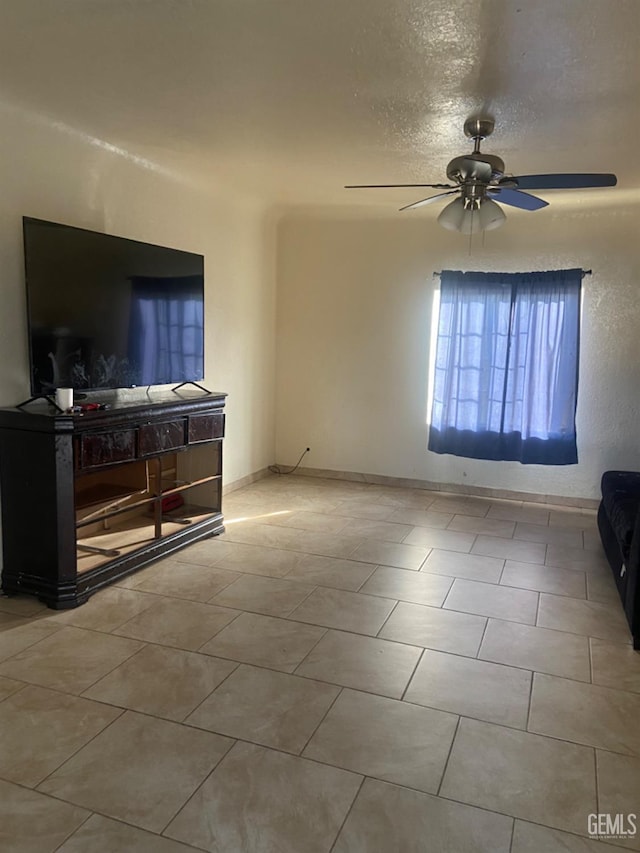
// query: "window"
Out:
[506,366]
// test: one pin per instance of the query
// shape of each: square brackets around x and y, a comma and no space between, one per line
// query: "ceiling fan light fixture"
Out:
[469,215]
[490,215]
[454,216]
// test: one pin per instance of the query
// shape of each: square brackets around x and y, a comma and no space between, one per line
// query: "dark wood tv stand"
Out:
[88,498]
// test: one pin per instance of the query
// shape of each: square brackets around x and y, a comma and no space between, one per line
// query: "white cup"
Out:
[64,398]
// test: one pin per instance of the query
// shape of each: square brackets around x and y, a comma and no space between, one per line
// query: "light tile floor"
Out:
[350,668]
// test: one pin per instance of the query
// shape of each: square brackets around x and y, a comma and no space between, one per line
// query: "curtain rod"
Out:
[437,274]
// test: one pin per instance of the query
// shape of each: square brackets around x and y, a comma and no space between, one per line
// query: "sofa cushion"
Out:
[621,499]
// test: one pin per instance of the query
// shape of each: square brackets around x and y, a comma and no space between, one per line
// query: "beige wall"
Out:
[353,311]
[354,319]
[52,172]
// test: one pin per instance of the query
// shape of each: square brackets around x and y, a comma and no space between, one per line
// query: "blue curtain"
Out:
[506,371]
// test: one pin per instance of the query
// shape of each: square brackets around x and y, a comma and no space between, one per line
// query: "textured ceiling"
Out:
[291,99]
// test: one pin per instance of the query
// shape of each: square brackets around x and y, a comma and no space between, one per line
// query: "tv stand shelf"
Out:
[88,498]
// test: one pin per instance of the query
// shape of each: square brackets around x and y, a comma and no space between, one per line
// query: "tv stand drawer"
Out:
[105,448]
[205,427]
[160,438]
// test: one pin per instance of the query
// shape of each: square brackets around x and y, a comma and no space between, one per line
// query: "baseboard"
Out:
[450,488]
[245,481]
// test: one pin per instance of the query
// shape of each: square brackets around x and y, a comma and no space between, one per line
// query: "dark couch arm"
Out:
[619,525]
[621,499]
[632,597]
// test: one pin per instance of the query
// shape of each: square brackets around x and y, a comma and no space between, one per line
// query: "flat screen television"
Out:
[108,312]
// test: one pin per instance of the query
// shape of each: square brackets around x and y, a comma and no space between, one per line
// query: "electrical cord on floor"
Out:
[277,469]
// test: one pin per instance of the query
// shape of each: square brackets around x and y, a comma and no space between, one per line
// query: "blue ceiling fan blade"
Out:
[516,198]
[561,182]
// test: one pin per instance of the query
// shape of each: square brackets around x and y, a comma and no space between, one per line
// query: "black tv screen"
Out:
[108,312]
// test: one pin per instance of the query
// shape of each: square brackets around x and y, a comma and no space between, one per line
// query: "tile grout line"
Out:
[234,742]
[35,643]
[410,679]
[113,669]
[184,722]
[484,631]
[324,717]
[513,832]
[446,764]
[367,579]
[119,716]
[348,814]
[71,834]
[526,726]
[388,616]
[218,631]
[313,647]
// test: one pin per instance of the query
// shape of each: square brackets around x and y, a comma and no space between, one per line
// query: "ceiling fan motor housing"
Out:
[472,167]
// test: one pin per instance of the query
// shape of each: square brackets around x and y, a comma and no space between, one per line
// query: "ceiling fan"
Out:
[479,181]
